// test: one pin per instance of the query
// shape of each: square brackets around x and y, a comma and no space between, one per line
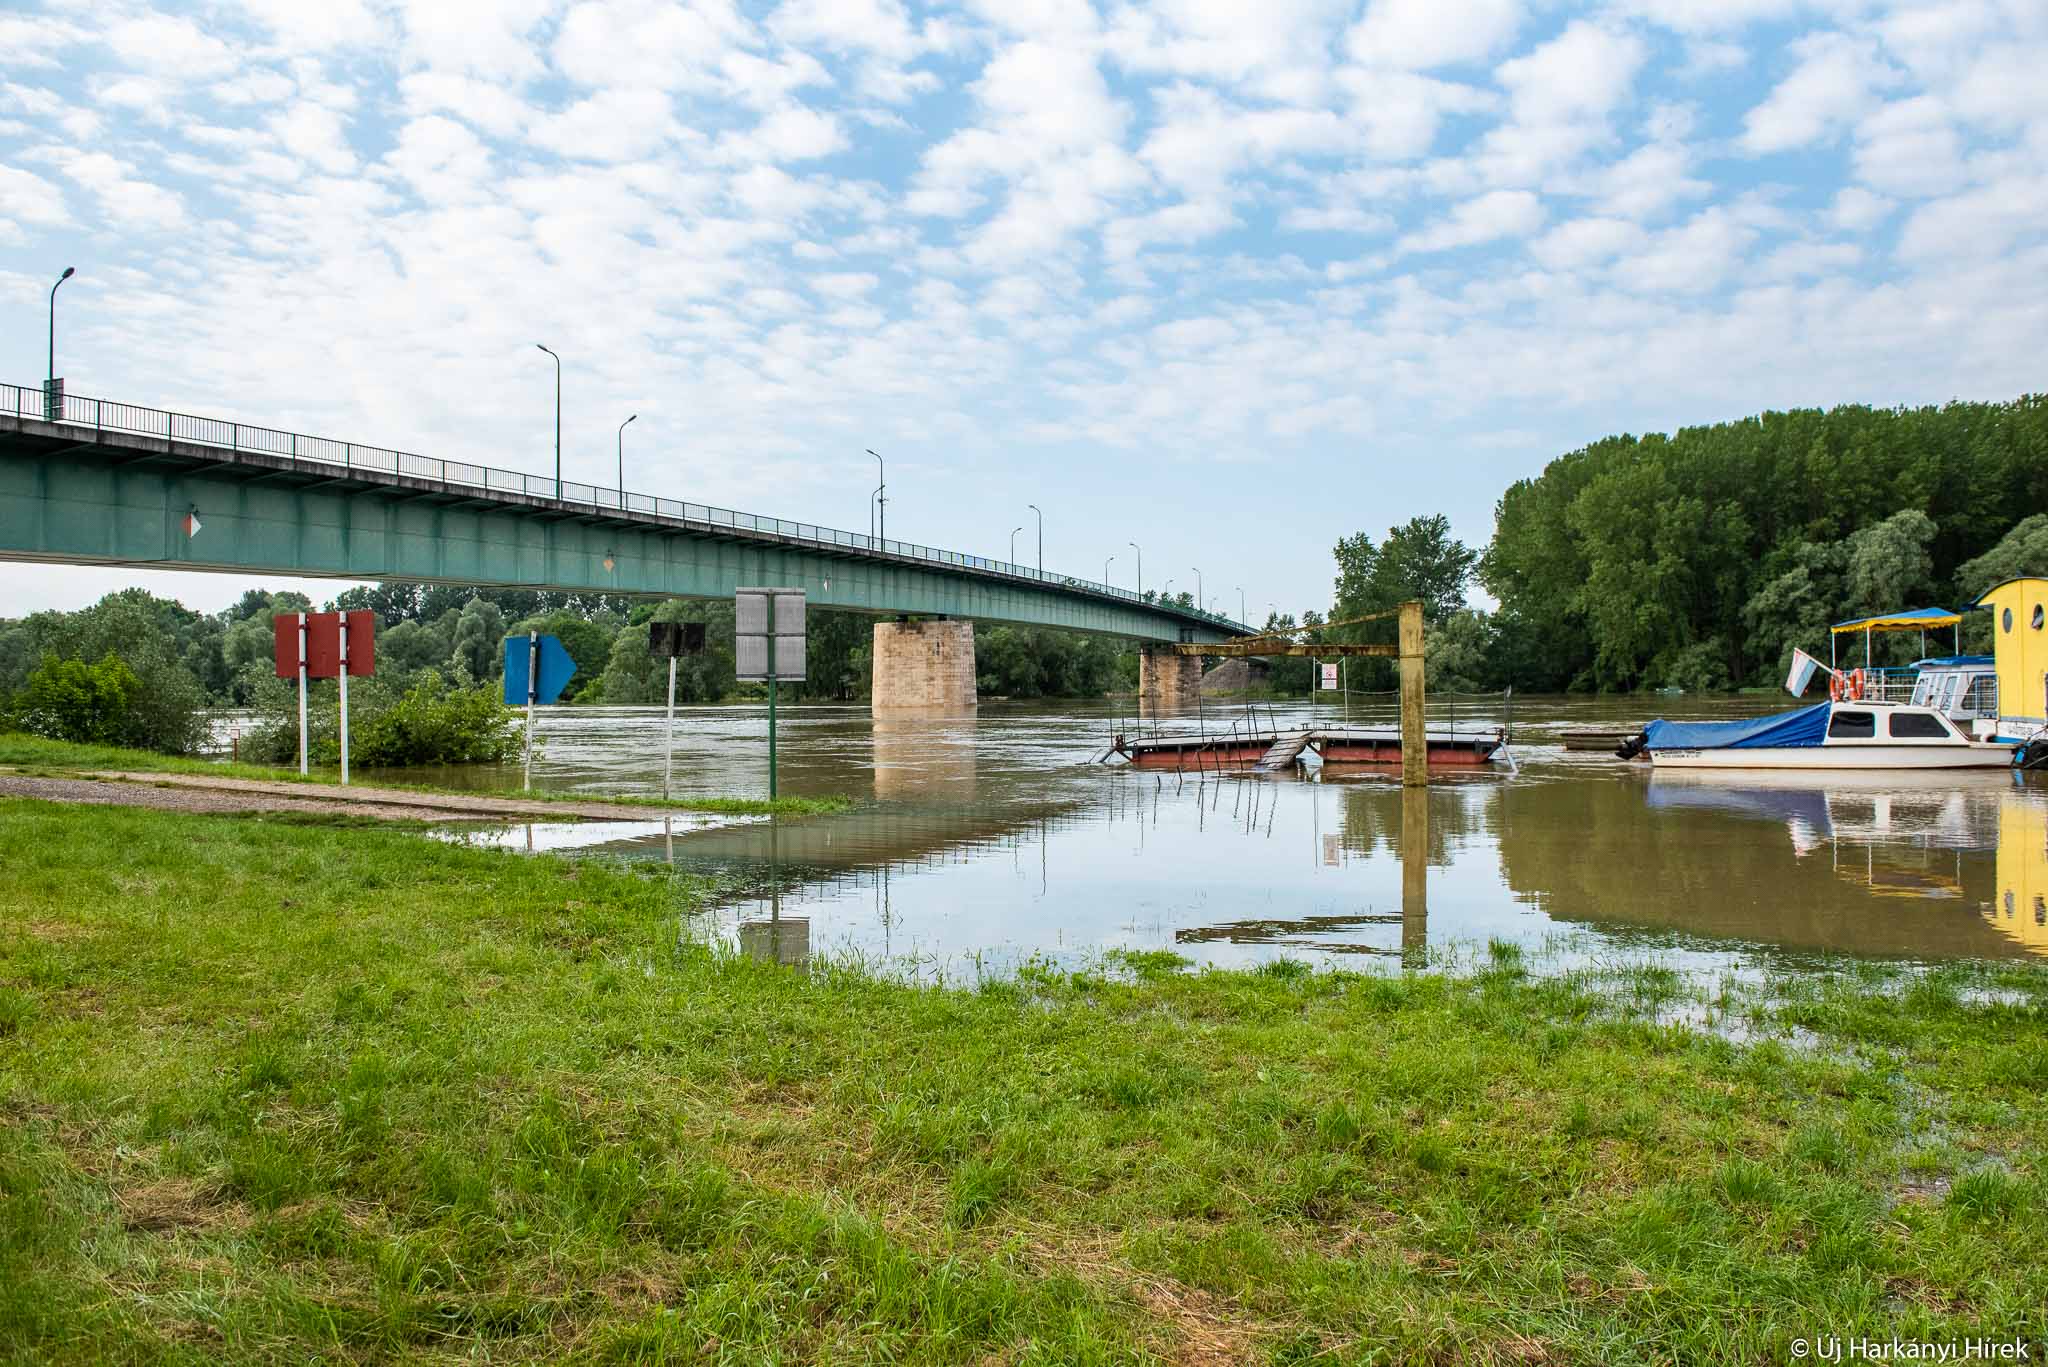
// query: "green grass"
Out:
[37,755]
[283,1091]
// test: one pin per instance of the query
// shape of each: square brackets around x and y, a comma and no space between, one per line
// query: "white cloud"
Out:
[128,201]
[1835,81]
[1489,217]
[1856,209]
[26,197]
[1910,147]
[1584,242]
[317,135]
[1418,35]
[612,125]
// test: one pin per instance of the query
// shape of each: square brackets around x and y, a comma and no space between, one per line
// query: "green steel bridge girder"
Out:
[118,499]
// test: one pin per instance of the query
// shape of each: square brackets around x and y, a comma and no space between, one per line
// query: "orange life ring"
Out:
[1838,687]
[1856,685]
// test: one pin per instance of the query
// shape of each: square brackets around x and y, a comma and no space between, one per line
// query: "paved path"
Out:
[205,793]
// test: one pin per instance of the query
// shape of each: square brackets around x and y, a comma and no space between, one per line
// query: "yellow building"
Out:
[2019,634]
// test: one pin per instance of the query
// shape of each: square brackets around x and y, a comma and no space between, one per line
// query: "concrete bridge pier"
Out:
[1168,682]
[924,667]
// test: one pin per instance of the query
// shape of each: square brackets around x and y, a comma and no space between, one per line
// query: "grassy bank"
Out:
[37,755]
[276,1090]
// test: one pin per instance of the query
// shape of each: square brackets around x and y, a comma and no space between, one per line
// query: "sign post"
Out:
[343,628]
[324,645]
[768,647]
[302,694]
[532,687]
[537,669]
[672,639]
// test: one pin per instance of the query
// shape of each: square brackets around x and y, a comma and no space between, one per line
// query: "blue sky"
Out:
[1228,280]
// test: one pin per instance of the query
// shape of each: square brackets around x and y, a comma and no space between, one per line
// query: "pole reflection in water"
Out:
[1414,876]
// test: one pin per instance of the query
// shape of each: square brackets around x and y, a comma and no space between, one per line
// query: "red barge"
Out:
[1340,746]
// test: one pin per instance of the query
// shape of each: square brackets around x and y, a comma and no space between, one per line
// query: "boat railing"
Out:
[1889,685]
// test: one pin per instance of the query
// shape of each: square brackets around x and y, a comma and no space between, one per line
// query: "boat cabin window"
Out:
[1853,725]
[1918,726]
[1948,690]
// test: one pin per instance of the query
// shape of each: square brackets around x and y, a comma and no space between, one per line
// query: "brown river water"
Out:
[979,844]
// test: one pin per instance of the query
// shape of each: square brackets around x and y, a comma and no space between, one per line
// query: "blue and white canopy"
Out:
[1802,729]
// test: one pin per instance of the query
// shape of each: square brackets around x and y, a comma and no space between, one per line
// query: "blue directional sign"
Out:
[556,669]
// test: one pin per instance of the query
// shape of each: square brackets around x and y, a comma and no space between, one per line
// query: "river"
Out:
[980,844]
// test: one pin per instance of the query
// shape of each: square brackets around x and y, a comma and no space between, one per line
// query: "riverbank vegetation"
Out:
[280,1090]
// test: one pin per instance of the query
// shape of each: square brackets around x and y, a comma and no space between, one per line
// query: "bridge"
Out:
[95,481]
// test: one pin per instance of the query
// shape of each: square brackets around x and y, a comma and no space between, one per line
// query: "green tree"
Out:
[76,701]
[479,641]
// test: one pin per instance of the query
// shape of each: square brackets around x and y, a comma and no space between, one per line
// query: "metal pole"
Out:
[1105,570]
[668,762]
[622,463]
[532,691]
[1199,599]
[881,496]
[302,693]
[558,420]
[343,617]
[1041,536]
[1414,741]
[1141,565]
[69,271]
[772,778]
[1013,544]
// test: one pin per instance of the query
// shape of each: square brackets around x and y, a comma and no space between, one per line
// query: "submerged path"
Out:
[204,793]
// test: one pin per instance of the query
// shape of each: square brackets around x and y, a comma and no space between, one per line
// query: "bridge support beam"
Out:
[924,667]
[1168,682]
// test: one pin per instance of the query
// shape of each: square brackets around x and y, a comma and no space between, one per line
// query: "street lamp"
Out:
[1105,570]
[622,463]
[69,271]
[1041,536]
[558,420]
[1141,565]
[1240,602]
[881,499]
[1013,543]
[1199,599]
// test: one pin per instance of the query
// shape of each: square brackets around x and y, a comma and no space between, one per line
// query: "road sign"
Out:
[1330,677]
[762,617]
[556,669]
[323,644]
[666,640]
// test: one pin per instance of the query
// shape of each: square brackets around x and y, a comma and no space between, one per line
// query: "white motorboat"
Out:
[1830,735]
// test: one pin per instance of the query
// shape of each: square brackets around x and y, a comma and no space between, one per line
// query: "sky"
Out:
[1227,280]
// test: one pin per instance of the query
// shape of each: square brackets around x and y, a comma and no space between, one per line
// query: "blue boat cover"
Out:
[1802,729]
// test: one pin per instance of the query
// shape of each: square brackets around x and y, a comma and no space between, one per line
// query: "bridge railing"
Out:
[26,401]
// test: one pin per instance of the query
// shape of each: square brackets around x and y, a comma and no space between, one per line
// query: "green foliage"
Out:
[74,700]
[150,636]
[1702,558]
[435,724]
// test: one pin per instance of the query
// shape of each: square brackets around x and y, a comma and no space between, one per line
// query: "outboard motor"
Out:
[2033,754]
[1633,746]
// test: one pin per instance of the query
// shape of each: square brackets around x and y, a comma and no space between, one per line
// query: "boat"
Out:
[2019,635]
[1864,735]
[1274,749]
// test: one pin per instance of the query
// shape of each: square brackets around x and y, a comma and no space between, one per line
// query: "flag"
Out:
[1803,666]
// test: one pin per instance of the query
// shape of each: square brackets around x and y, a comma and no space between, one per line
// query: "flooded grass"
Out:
[41,757]
[277,1090]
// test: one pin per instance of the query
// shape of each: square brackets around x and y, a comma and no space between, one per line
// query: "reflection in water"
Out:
[990,840]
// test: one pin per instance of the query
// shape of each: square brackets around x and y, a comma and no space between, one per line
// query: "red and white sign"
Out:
[323,644]
[1329,676]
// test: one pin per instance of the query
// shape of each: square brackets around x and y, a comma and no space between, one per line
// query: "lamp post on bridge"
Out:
[878,526]
[1200,601]
[69,271]
[1240,602]
[558,419]
[1105,570]
[1041,537]
[1013,543]
[622,462]
[1141,566]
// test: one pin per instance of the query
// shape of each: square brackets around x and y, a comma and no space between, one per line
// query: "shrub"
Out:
[430,723]
[76,701]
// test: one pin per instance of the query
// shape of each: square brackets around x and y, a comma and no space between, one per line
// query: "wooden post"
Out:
[1414,743]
